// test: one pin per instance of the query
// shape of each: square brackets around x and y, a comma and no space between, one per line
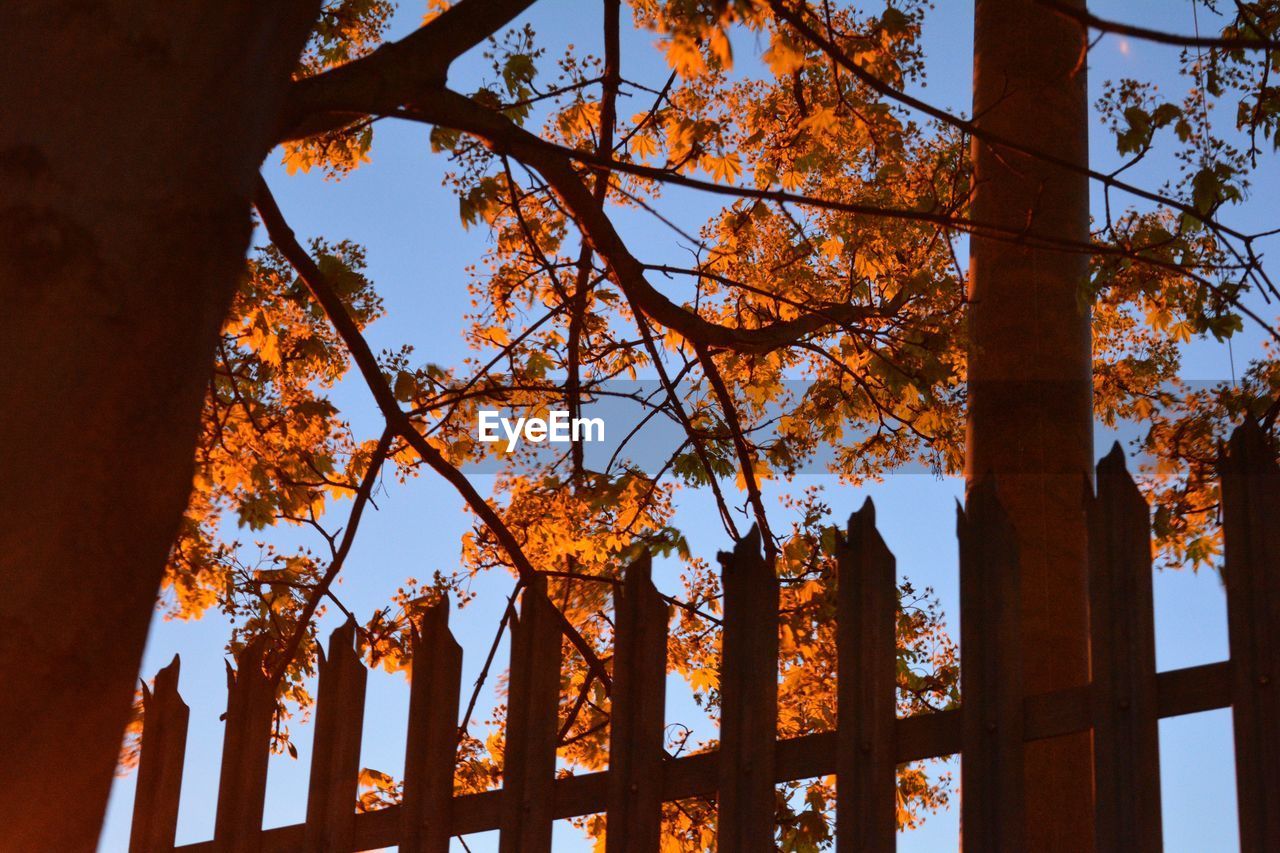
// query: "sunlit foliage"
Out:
[841,229]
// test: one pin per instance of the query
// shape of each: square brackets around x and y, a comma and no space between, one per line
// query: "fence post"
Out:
[748,699]
[432,748]
[1125,712]
[164,746]
[637,713]
[991,765]
[529,760]
[335,756]
[246,746]
[866,650]
[1251,524]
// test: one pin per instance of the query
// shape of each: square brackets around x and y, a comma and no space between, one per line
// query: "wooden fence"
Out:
[1122,705]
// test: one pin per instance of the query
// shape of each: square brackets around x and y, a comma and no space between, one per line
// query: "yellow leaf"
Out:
[783,57]
[821,119]
[685,56]
[791,179]
[726,167]
[703,678]
[720,49]
[642,145]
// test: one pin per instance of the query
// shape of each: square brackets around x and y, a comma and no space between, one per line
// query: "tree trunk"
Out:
[1030,393]
[132,135]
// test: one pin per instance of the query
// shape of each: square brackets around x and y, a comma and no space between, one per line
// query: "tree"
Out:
[833,260]
[130,167]
[1030,395]
[124,224]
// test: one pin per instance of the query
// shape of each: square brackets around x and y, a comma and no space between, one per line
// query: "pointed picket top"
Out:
[991,763]
[982,505]
[1250,506]
[639,572]
[749,698]
[864,516]
[533,587]
[1113,477]
[249,658]
[866,687]
[160,763]
[342,641]
[430,618]
[246,747]
[1249,447]
[165,685]
[637,705]
[1114,460]
[1122,650]
[747,546]
[431,745]
[167,677]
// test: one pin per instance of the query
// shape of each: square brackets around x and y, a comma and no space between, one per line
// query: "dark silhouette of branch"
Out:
[582,281]
[553,162]
[337,560]
[796,18]
[283,238]
[1088,19]
[395,73]
[488,661]
[746,459]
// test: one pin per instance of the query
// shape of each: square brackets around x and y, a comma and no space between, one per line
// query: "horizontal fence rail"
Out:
[1122,705]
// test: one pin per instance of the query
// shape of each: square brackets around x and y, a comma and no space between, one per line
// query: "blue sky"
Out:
[418,254]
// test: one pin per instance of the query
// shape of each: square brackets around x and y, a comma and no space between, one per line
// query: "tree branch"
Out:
[1088,19]
[397,420]
[746,459]
[394,74]
[339,557]
[554,163]
[796,19]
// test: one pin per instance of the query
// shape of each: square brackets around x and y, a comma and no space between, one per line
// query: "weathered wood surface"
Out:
[335,757]
[1125,711]
[866,648]
[529,759]
[164,746]
[432,747]
[992,801]
[242,785]
[1182,691]
[637,706]
[748,700]
[1251,525]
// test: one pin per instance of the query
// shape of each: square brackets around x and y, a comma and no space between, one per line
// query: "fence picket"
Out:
[529,761]
[164,746]
[637,708]
[748,699]
[1251,508]
[866,650]
[1123,643]
[432,748]
[246,746]
[991,766]
[335,757]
